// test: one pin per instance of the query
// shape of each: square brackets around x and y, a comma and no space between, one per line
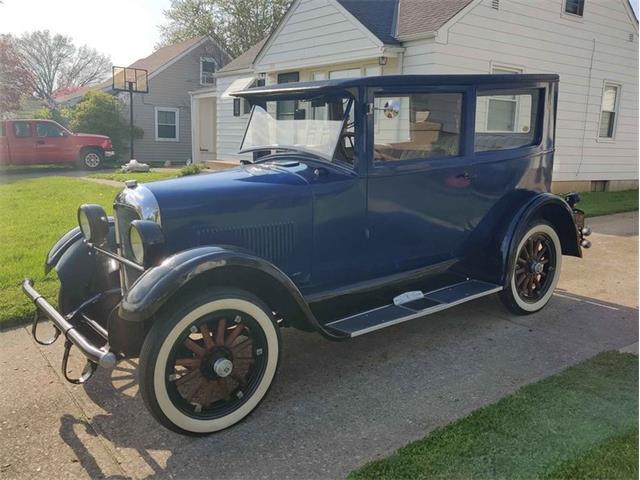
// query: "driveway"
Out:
[334,406]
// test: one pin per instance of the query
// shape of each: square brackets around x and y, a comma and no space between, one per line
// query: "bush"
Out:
[101,113]
[62,115]
[192,169]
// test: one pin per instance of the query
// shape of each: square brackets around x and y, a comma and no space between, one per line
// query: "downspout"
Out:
[586,108]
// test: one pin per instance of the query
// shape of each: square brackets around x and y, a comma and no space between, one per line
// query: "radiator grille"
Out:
[273,242]
[124,216]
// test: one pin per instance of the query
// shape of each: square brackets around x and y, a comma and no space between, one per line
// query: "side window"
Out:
[44,129]
[22,129]
[506,119]
[416,126]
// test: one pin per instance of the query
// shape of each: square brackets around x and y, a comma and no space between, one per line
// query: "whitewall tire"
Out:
[208,361]
[535,270]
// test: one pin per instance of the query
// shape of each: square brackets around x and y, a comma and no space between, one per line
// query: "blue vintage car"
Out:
[368,202]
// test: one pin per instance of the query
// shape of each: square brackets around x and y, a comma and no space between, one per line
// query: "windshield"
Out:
[319,126]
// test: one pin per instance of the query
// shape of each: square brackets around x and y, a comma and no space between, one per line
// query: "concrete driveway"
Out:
[334,406]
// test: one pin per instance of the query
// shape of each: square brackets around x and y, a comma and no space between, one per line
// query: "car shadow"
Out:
[336,405]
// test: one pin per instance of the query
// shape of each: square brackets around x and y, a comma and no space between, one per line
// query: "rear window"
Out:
[22,129]
[506,119]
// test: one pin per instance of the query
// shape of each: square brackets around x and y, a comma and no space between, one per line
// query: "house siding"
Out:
[170,88]
[230,129]
[538,37]
[316,32]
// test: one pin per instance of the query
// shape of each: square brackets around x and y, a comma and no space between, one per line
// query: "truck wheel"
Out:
[535,271]
[91,158]
[208,361]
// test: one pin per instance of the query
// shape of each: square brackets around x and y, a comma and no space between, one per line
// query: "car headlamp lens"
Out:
[85,226]
[136,244]
[93,223]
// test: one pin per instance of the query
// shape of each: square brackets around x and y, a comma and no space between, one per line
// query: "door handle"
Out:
[40,142]
[464,176]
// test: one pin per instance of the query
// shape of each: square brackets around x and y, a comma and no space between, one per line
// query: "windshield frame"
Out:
[329,158]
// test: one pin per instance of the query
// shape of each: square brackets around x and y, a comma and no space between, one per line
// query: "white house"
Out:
[591,44]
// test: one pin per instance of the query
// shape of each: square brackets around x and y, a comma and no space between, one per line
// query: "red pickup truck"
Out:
[29,142]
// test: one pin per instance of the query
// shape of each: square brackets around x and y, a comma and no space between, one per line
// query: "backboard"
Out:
[127,79]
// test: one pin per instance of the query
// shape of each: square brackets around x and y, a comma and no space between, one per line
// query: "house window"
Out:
[167,124]
[416,126]
[610,95]
[207,71]
[506,119]
[286,109]
[574,7]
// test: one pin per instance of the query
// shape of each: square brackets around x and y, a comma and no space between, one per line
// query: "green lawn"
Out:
[580,423]
[604,203]
[152,176]
[34,214]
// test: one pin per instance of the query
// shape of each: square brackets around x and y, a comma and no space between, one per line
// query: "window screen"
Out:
[608,114]
[167,124]
[417,126]
[506,119]
[574,7]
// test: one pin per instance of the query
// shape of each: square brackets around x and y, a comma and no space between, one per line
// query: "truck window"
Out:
[22,129]
[46,129]
[416,126]
[506,119]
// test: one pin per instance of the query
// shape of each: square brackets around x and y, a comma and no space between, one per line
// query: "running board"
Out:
[412,305]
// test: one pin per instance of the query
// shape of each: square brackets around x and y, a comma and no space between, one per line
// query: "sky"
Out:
[124,29]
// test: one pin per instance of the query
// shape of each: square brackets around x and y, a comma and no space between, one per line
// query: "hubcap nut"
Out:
[223,367]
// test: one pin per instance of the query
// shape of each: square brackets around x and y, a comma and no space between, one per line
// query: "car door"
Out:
[22,146]
[420,177]
[52,144]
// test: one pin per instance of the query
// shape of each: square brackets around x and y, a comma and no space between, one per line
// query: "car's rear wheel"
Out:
[91,158]
[208,361]
[535,270]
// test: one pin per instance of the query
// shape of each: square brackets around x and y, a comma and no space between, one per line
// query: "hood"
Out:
[215,208]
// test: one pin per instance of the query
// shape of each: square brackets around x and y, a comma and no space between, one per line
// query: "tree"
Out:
[100,113]
[55,63]
[236,24]
[14,78]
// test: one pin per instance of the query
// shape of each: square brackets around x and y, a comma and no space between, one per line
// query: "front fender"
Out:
[156,285]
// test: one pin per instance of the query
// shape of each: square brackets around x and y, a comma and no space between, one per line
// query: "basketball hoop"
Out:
[127,79]
[132,80]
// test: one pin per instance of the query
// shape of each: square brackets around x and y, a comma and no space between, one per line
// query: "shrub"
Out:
[192,169]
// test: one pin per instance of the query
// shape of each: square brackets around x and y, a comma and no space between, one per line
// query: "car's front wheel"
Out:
[535,270]
[208,361]
[91,158]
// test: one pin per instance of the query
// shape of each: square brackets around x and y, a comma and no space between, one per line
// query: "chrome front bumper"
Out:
[94,354]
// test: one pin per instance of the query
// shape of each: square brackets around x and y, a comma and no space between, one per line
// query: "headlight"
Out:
[146,242]
[137,247]
[93,223]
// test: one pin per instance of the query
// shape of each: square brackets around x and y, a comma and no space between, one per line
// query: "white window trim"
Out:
[516,69]
[207,59]
[612,138]
[572,16]
[168,109]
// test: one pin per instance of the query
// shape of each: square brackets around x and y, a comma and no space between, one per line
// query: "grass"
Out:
[142,177]
[605,203]
[580,423]
[33,215]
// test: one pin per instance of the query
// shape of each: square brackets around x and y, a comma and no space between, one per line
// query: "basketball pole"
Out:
[131,120]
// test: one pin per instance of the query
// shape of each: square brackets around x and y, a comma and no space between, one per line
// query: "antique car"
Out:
[367,202]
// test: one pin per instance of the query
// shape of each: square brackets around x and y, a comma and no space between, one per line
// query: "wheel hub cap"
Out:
[223,367]
[537,267]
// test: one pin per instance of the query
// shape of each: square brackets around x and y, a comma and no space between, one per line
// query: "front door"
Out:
[420,178]
[52,143]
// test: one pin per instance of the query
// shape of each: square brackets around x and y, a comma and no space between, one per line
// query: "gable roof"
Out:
[153,63]
[244,60]
[417,17]
[378,16]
